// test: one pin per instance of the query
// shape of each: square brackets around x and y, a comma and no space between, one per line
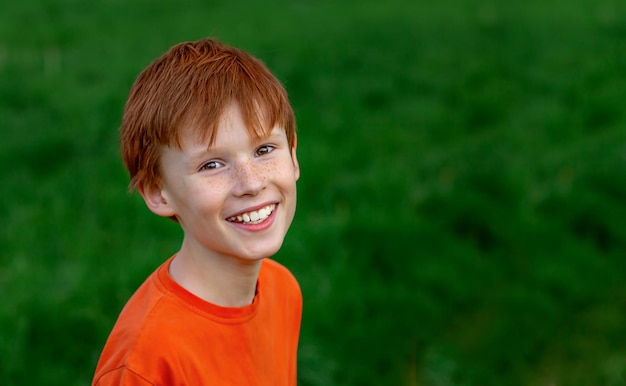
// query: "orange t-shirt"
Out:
[167,336]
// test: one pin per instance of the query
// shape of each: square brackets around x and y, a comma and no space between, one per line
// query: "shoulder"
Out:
[280,306]
[279,284]
[274,266]
[274,272]
[143,346]
[138,339]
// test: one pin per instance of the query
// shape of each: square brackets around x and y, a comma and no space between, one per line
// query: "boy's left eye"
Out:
[265,149]
[211,165]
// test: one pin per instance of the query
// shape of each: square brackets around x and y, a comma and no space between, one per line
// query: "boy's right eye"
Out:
[211,165]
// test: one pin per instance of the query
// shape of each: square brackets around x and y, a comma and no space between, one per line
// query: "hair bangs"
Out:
[242,80]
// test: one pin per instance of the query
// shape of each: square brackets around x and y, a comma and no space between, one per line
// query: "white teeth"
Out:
[253,217]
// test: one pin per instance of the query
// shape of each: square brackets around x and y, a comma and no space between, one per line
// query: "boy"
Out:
[208,138]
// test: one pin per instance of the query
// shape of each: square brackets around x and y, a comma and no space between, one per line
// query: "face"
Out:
[236,198]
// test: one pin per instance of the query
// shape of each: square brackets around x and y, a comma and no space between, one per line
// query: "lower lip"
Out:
[263,225]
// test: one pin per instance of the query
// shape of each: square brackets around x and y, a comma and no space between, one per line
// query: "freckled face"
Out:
[236,198]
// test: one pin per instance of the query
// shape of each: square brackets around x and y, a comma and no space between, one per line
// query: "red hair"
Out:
[189,88]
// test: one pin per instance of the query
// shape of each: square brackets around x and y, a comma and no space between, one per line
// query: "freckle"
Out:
[267,170]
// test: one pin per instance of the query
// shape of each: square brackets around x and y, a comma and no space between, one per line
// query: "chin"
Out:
[265,251]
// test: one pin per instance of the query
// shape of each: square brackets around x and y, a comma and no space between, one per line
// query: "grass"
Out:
[461,203]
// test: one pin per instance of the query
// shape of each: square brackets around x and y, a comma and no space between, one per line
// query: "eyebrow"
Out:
[196,158]
[275,133]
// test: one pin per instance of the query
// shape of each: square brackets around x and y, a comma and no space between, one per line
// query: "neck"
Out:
[222,280]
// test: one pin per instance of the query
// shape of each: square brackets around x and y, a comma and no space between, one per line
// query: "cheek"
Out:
[285,174]
[272,172]
[267,172]
[207,195]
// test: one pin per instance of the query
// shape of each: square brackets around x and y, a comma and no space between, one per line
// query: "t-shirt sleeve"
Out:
[121,376]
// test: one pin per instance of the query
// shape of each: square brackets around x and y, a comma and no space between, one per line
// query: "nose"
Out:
[249,178]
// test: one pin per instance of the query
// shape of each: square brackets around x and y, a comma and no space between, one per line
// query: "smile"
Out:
[254,217]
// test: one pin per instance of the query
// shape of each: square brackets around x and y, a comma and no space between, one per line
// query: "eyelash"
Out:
[211,165]
[268,149]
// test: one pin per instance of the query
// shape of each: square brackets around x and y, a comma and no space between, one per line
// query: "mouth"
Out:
[253,217]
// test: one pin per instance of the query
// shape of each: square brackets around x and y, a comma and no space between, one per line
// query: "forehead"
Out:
[231,126]
[202,125]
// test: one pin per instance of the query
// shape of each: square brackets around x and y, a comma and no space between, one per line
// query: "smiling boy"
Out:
[208,137]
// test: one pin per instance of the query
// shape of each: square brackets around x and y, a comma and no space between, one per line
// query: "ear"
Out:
[156,200]
[294,158]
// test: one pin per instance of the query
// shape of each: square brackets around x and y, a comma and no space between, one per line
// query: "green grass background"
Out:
[461,207]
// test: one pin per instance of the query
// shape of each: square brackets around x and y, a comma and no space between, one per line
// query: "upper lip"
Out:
[252,209]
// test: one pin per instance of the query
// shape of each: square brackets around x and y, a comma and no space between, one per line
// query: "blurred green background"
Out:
[461,210]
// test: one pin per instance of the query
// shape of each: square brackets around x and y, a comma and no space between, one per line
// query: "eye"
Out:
[265,149]
[211,165]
